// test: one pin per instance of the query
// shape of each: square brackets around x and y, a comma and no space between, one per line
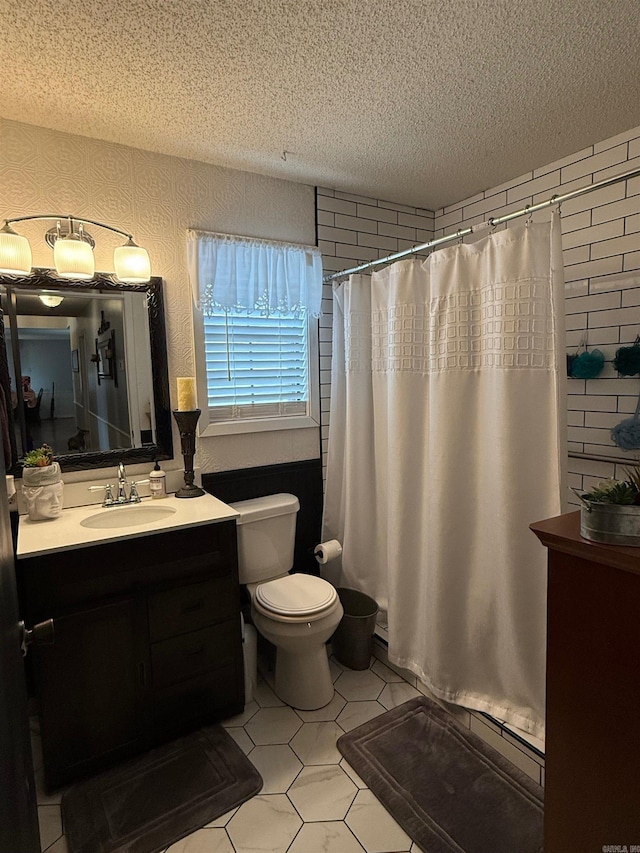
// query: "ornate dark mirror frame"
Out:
[44,279]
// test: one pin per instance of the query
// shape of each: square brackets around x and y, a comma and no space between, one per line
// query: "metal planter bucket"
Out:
[610,524]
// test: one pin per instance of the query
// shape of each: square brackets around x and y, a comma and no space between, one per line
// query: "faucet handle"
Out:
[134,497]
[108,493]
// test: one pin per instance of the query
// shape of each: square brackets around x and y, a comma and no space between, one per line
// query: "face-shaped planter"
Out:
[42,489]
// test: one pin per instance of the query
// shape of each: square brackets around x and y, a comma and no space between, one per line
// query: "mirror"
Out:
[87,364]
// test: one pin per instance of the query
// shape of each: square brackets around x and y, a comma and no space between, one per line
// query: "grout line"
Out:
[527,748]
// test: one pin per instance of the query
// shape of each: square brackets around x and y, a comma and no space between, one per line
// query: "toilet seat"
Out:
[293,598]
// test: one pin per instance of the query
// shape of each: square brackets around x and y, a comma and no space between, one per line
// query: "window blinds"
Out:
[257,367]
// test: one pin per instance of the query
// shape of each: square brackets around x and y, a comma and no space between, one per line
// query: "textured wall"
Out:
[157,198]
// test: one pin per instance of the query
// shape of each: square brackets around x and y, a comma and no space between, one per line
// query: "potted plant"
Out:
[610,512]
[42,484]
[42,457]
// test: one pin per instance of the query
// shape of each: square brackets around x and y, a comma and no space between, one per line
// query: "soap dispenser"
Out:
[158,482]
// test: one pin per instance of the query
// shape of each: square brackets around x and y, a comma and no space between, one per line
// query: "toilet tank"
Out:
[266,536]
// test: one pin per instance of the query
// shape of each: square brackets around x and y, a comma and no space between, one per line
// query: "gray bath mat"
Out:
[448,790]
[147,803]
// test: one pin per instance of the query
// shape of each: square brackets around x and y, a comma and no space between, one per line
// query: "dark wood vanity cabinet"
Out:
[147,643]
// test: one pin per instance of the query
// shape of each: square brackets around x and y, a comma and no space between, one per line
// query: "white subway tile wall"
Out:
[352,230]
[601,251]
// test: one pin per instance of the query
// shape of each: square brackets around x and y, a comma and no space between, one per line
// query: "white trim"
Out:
[259,425]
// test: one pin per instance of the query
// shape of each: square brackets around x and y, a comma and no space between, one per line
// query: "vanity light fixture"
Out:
[50,300]
[72,250]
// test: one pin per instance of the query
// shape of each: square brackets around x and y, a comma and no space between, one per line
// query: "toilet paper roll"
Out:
[326,551]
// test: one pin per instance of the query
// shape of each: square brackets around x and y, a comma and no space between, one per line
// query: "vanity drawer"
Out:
[201,699]
[187,608]
[183,657]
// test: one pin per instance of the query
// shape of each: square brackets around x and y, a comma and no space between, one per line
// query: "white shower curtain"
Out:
[446,441]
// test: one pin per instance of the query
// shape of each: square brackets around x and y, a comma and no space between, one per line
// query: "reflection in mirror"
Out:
[88,368]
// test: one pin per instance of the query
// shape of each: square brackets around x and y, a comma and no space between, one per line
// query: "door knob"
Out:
[42,634]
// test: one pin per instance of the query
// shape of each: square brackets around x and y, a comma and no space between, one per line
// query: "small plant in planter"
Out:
[610,512]
[617,492]
[39,458]
[42,484]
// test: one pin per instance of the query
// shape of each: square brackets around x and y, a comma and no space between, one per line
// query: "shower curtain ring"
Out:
[530,216]
[553,198]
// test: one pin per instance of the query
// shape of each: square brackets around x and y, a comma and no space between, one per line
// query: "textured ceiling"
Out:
[423,101]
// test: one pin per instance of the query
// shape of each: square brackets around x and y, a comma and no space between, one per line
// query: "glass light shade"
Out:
[50,300]
[15,253]
[132,264]
[73,258]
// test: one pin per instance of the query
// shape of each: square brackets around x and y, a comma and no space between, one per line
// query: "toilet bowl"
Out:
[298,612]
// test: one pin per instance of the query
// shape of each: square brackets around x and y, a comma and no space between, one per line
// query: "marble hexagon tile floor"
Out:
[312,801]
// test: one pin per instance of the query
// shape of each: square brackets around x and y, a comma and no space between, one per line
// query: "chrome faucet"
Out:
[121,498]
[122,484]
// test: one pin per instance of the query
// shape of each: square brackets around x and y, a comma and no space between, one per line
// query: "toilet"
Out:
[297,613]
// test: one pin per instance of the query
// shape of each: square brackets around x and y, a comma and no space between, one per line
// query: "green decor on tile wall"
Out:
[587,365]
[627,359]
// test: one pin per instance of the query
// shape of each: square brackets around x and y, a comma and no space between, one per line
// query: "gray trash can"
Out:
[353,639]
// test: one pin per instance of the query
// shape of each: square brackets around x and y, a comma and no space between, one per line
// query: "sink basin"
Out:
[127,516]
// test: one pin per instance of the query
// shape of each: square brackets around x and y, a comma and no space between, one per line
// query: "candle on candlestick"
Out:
[186,386]
[187,425]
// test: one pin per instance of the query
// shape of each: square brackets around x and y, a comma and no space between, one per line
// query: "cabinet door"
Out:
[91,686]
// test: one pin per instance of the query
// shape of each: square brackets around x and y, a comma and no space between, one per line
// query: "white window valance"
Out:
[256,276]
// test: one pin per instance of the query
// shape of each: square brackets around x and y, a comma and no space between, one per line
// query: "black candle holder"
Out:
[187,425]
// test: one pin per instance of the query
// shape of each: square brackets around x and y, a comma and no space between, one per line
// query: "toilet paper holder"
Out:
[326,551]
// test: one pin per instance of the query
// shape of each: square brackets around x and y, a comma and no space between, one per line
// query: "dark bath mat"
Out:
[448,790]
[150,802]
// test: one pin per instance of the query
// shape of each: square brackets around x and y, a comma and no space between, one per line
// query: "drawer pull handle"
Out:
[143,674]
[193,606]
[194,652]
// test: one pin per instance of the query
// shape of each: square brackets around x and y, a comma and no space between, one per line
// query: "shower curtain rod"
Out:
[490,223]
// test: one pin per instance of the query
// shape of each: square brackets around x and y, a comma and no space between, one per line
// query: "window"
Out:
[256,332]
[256,366]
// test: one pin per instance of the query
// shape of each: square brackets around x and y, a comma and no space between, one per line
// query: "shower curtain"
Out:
[446,441]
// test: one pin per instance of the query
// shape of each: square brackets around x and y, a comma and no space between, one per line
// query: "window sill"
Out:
[258,425]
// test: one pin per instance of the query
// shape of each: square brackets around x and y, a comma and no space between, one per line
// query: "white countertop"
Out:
[66,531]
